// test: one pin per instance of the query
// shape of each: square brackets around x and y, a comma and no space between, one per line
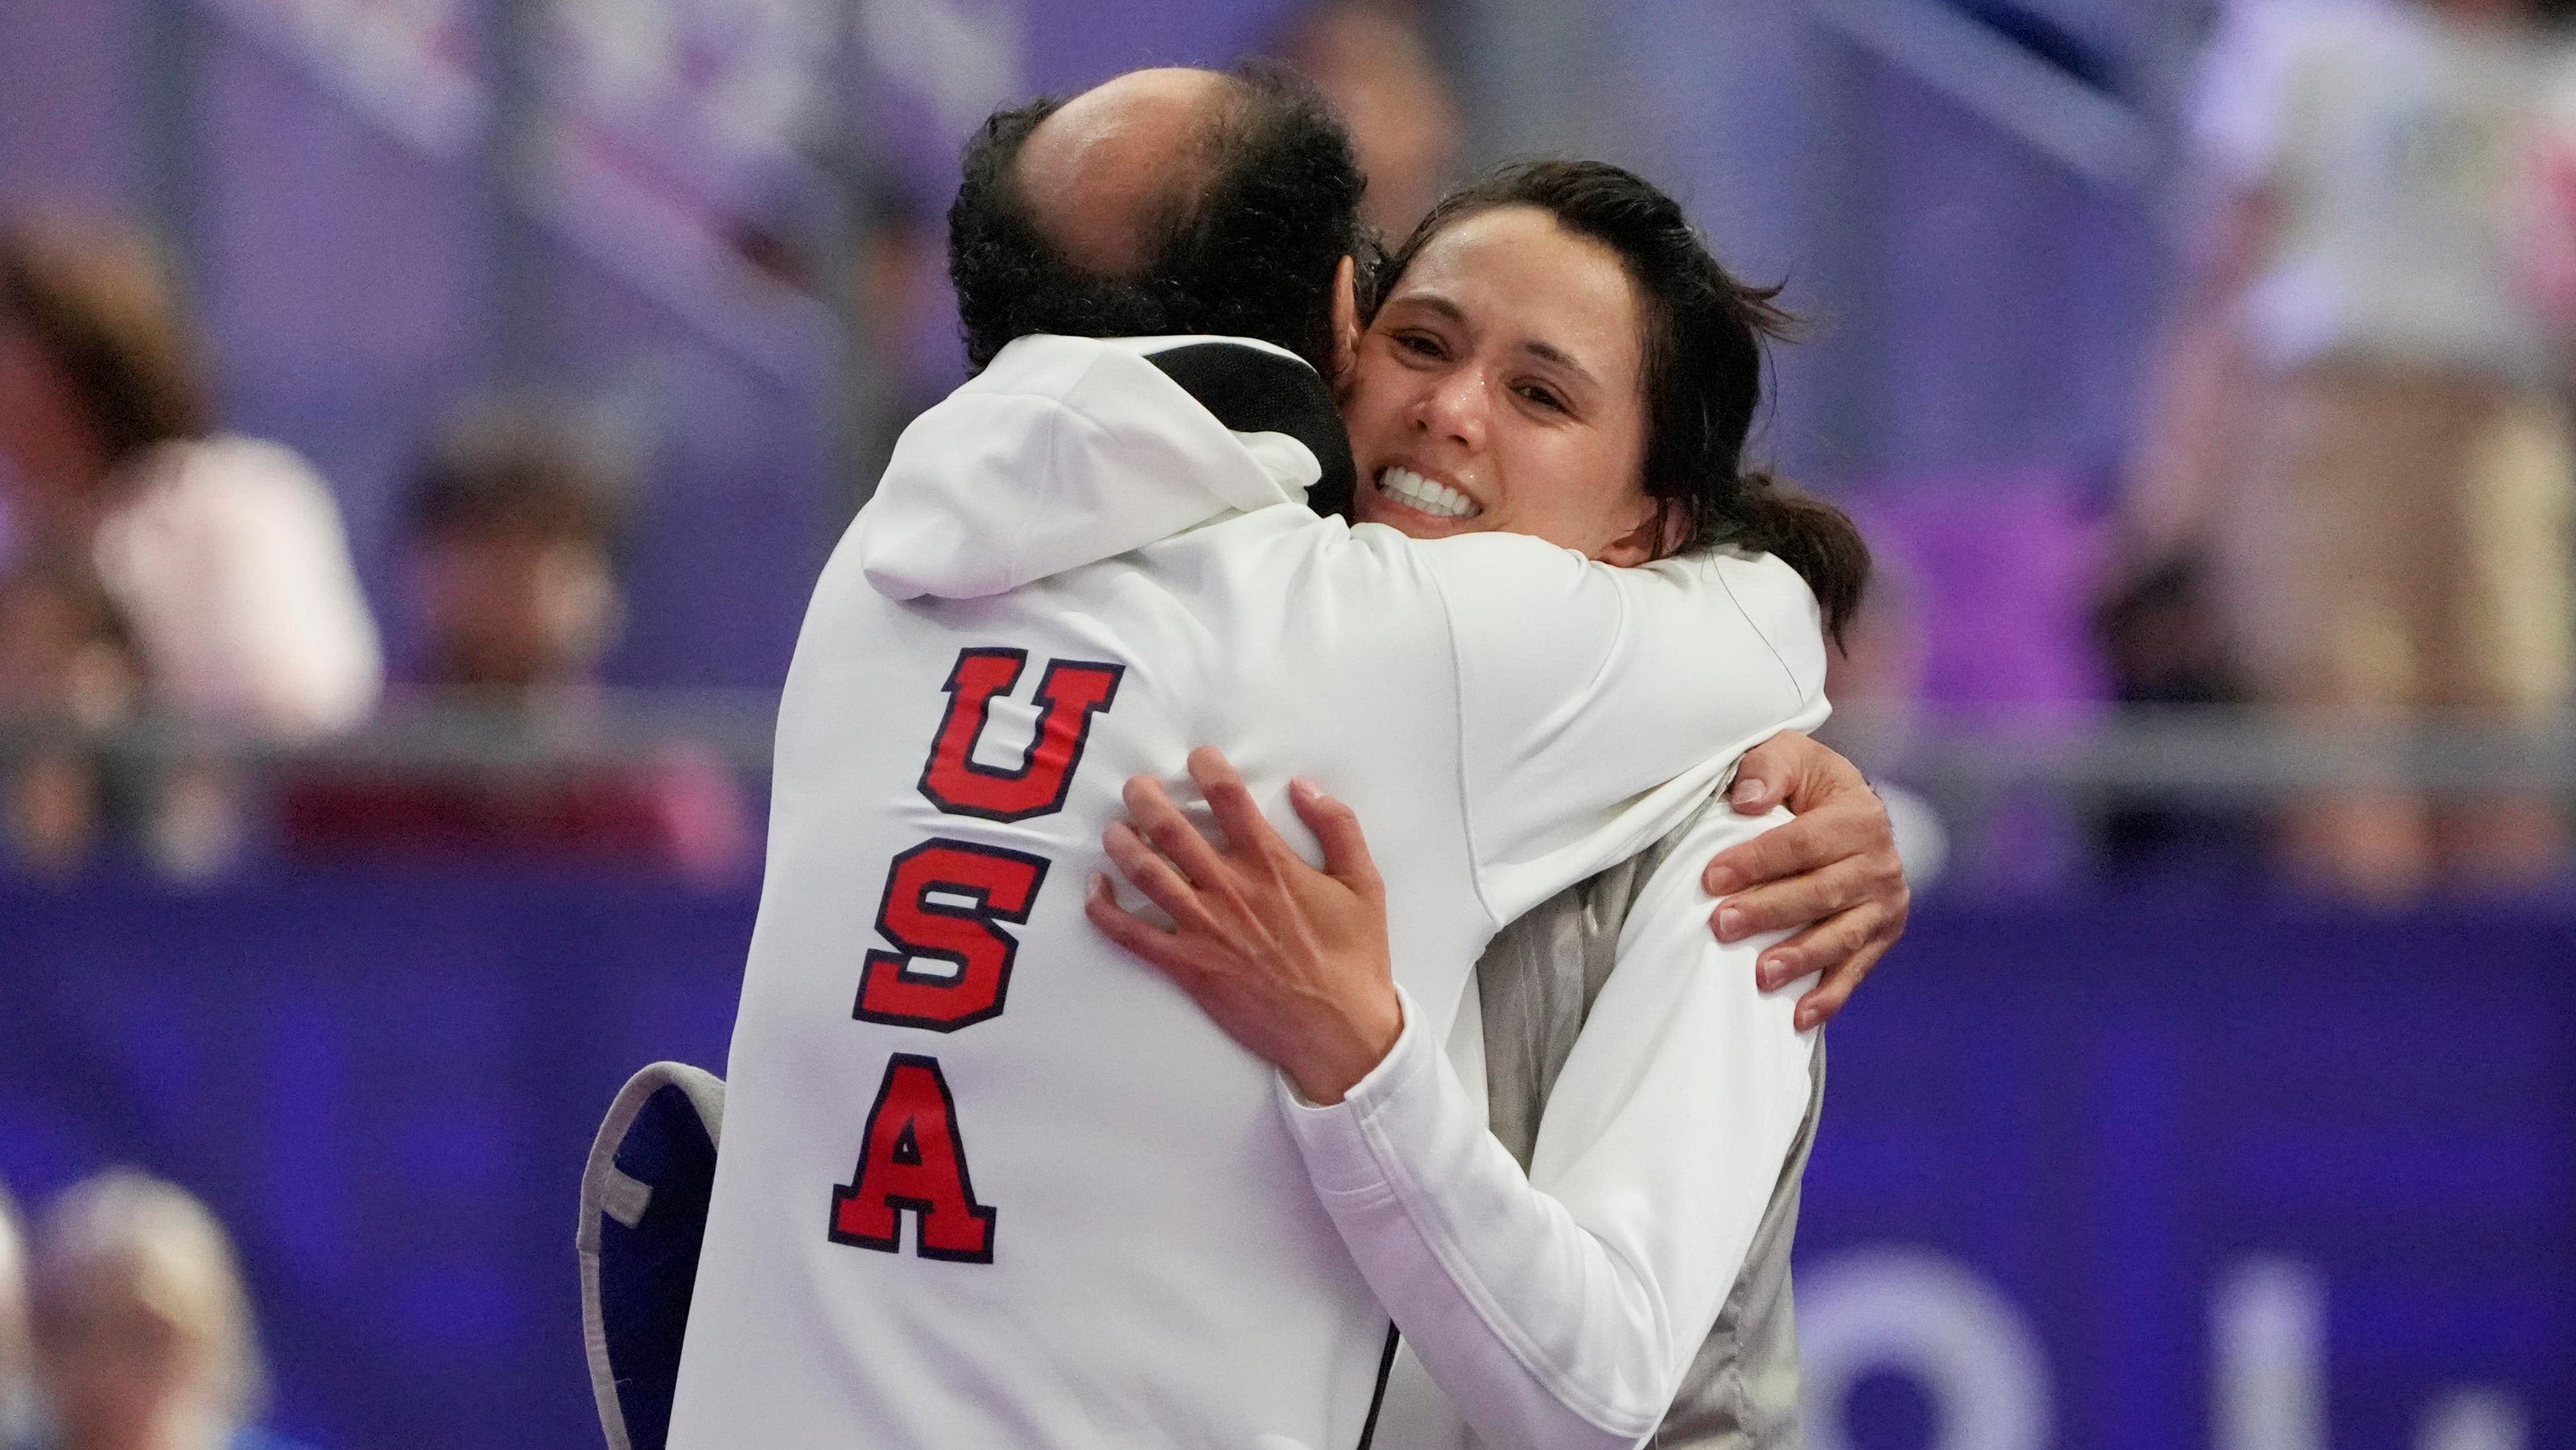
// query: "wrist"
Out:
[1369,1036]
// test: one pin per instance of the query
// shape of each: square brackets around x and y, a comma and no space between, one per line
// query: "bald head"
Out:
[1112,168]
[1162,202]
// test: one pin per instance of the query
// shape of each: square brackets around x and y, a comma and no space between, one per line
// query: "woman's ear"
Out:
[1346,321]
[1674,521]
[1660,534]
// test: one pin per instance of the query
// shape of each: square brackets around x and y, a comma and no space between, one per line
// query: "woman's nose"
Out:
[1454,406]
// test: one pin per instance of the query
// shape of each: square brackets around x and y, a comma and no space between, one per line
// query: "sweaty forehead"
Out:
[1521,280]
[1099,173]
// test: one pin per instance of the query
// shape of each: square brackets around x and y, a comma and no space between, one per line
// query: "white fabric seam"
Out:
[1466,754]
[1797,692]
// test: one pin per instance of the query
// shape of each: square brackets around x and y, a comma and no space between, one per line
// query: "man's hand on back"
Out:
[1832,871]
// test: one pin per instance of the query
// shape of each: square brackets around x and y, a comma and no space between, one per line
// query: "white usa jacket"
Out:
[987,1181]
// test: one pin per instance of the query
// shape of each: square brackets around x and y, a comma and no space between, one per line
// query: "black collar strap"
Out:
[1254,390]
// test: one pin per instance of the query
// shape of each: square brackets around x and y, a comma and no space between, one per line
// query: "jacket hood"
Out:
[1069,450]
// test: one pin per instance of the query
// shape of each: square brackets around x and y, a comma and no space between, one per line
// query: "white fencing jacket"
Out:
[989,1182]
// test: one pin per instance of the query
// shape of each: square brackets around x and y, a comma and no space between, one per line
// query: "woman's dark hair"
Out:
[1250,254]
[98,303]
[1704,332]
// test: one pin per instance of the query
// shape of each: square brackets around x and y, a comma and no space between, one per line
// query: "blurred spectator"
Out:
[67,672]
[513,529]
[1372,61]
[2394,545]
[224,555]
[2164,647]
[15,1431]
[512,551]
[144,1334]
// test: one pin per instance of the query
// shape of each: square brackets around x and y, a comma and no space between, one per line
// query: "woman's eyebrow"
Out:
[1432,300]
[1550,353]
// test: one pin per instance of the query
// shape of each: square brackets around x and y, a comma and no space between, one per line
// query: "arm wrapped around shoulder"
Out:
[1581,684]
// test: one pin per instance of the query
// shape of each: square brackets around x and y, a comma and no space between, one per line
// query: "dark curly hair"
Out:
[1251,254]
[1703,365]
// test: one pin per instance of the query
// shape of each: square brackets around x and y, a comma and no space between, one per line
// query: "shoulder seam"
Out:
[1797,691]
[1458,718]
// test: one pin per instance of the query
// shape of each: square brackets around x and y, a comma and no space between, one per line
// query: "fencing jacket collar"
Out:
[1131,440]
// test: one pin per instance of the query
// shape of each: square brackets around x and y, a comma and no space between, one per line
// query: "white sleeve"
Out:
[1598,707]
[1562,1309]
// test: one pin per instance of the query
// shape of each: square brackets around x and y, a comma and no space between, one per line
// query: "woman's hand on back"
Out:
[1833,872]
[1292,962]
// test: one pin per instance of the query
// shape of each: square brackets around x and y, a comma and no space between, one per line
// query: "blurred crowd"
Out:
[125,1325]
[2346,508]
[160,570]
[183,635]
[2350,504]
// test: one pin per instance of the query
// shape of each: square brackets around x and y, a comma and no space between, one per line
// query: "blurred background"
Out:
[421,422]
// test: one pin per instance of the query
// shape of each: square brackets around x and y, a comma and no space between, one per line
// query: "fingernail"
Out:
[1720,880]
[1747,790]
[1806,1018]
[1300,785]
[1730,923]
[1100,883]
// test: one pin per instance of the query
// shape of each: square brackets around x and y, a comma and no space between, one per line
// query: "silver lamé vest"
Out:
[1537,982]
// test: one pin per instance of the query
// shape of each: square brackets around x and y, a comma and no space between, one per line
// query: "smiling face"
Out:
[1501,388]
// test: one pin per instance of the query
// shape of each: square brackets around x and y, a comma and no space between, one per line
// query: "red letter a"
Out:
[913,1161]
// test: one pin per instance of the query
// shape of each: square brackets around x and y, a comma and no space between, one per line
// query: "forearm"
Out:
[1563,1307]
[1539,1330]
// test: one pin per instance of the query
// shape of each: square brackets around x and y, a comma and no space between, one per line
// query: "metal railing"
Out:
[2217,756]
[2165,755]
[2199,756]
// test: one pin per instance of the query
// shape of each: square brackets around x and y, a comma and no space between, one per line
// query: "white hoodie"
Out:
[1128,1250]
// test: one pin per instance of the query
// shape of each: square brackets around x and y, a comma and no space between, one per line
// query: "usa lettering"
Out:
[1071,694]
[947,902]
[1003,885]
[914,1163]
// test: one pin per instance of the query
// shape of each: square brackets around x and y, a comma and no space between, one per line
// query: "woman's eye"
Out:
[1418,344]
[1542,397]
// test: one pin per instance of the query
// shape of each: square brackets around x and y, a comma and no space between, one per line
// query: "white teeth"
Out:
[1437,499]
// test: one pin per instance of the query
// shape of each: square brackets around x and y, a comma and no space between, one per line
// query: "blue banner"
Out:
[2117,1175]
